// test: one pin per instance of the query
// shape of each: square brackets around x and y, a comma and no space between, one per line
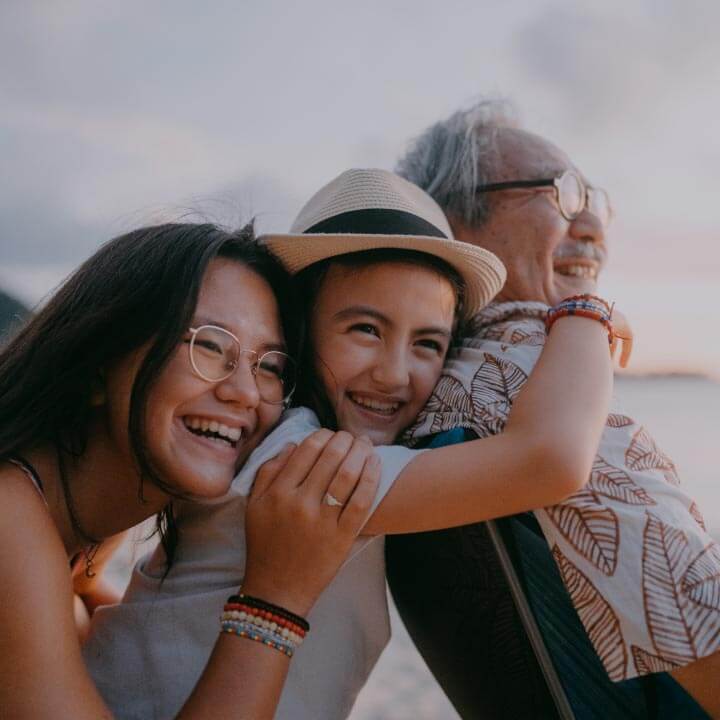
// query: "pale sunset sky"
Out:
[119,114]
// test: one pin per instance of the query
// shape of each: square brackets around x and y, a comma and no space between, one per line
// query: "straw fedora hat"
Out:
[369,209]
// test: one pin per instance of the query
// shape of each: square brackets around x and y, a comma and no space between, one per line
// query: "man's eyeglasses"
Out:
[571,193]
[215,355]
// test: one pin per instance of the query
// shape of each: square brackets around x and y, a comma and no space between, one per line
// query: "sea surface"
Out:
[683,415]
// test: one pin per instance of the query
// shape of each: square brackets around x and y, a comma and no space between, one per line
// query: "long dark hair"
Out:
[310,391]
[138,288]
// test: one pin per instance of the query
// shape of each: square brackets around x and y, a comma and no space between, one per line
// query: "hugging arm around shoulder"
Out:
[544,454]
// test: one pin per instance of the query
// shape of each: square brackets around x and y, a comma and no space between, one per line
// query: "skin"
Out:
[295,543]
[382,333]
[549,444]
[203,466]
[526,230]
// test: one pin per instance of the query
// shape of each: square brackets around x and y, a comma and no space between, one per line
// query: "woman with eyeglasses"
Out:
[151,375]
[384,288]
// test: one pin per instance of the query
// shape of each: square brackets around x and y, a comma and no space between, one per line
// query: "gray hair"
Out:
[455,156]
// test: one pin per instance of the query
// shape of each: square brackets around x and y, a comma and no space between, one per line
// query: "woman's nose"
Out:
[241,387]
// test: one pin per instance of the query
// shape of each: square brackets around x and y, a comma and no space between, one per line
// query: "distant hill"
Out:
[12,313]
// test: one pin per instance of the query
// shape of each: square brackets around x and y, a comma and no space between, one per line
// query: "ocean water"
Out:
[682,413]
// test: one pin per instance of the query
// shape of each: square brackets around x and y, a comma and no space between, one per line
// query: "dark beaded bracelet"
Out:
[264,605]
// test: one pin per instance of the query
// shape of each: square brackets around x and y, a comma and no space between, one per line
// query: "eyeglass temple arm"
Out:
[509,184]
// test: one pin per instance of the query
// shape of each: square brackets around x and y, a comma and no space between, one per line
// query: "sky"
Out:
[121,114]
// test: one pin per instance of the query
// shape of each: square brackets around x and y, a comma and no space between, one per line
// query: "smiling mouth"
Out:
[577,269]
[380,407]
[213,430]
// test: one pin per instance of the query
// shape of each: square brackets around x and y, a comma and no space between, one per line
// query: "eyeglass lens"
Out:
[572,194]
[599,204]
[215,354]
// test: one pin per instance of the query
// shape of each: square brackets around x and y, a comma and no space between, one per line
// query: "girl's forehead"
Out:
[400,290]
[365,278]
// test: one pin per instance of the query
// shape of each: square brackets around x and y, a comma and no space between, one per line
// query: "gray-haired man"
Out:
[520,196]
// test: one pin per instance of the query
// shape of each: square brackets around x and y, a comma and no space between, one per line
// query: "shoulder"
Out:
[30,545]
[295,425]
[36,612]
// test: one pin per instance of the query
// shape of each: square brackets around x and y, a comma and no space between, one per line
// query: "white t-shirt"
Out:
[147,653]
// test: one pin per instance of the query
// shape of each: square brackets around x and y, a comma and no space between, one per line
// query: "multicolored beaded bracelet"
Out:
[250,617]
[258,604]
[263,616]
[587,297]
[267,614]
[252,632]
[284,629]
[588,306]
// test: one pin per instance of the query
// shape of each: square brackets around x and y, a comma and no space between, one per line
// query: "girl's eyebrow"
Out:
[434,330]
[353,310]
[368,310]
[199,320]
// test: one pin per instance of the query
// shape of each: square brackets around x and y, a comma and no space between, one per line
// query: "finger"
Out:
[334,454]
[266,475]
[357,507]
[303,459]
[626,351]
[343,482]
[613,346]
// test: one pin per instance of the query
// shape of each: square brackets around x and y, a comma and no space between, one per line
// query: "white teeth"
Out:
[583,271]
[373,404]
[226,433]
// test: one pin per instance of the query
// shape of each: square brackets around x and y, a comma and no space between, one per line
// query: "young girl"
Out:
[102,406]
[385,292]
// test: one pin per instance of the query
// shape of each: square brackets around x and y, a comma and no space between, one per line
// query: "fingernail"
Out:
[288,448]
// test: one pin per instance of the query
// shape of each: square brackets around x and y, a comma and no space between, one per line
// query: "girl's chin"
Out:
[202,480]
[378,436]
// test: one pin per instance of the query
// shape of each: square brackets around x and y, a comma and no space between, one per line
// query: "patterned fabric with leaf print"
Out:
[631,546]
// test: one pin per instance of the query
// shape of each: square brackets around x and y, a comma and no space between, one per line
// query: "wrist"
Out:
[271,591]
[586,306]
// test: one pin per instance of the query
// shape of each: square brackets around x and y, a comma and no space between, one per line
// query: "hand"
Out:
[295,541]
[623,334]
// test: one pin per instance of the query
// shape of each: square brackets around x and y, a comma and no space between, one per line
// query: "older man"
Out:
[520,196]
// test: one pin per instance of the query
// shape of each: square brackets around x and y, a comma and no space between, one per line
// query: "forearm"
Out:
[565,402]
[544,455]
[243,679]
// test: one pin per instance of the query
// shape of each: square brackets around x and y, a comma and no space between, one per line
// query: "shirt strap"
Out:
[30,471]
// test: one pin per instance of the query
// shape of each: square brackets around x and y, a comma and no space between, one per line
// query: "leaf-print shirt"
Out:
[631,546]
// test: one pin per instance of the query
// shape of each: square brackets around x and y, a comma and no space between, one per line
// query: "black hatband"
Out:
[376,221]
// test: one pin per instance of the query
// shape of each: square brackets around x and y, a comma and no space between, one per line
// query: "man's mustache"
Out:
[589,250]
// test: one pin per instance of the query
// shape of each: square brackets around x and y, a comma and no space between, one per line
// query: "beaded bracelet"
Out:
[250,617]
[588,298]
[265,615]
[252,632]
[283,628]
[259,604]
[588,306]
